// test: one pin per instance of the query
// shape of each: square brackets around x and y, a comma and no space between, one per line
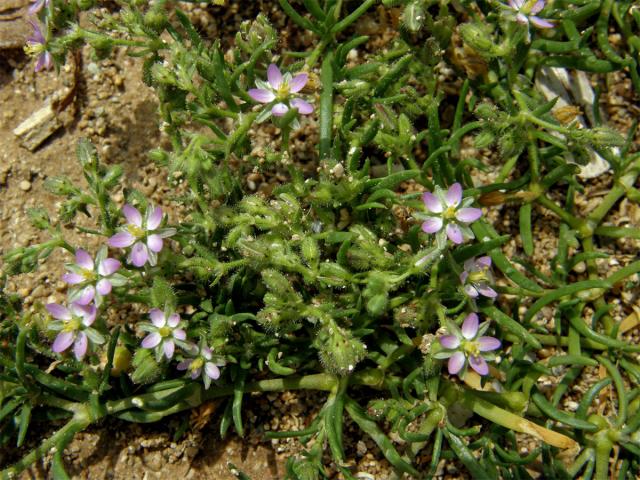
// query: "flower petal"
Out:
[104,287]
[86,296]
[487,344]
[154,242]
[432,202]
[261,95]
[58,311]
[471,291]
[298,82]
[121,240]
[184,364]
[470,326]
[479,364]
[449,341]
[157,317]
[432,225]
[468,215]
[454,195]
[454,233]
[151,341]
[487,291]
[304,107]
[279,109]
[108,267]
[456,362]
[168,347]
[274,76]
[522,19]
[212,370]
[541,22]
[139,254]
[72,278]
[539,5]
[80,346]
[87,312]
[63,341]
[516,4]
[132,214]
[173,320]
[179,334]
[483,261]
[83,259]
[155,218]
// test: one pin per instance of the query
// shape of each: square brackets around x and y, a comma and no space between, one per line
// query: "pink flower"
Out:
[143,234]
[477,278]
[466,345]
[74,324]
[526,11]
[448,214]
[202,363]
[92,280]
[38,5]
[37,45]
[277,92]
[164,334]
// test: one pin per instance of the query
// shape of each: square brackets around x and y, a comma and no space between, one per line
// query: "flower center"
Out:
[528,6]
[471,348]
[478,276]
[135,231]
[283,91]
[449,213]
[197,364]
[88,274]
[72,325]
[34,48]
[165,331]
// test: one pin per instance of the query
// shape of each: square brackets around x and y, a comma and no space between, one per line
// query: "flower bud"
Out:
[334,275]
[339,350]
[156,20]
[377,304]
[310,251]
[276,282]
[477,37]
[121,361]
[413,16]
[484,139]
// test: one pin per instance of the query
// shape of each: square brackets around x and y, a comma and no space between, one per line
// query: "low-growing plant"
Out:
[379,278]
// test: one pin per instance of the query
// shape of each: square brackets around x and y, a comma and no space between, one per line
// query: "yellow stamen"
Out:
[165,331]
[471,348]
[449,213]
[196,364]
[72,325]
[135,231]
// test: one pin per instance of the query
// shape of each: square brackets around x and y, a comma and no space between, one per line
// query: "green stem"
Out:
[326,107]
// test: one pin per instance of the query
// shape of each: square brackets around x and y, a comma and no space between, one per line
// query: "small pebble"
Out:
[25,185]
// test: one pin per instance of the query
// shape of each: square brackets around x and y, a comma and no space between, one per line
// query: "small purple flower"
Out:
[164,334]
[91,282]
[477,278]
[277,92]
[202,363]
[526,11]
[448,214]
[467,345]
[38,5]
[37,45]
[74,324]
[144,235]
